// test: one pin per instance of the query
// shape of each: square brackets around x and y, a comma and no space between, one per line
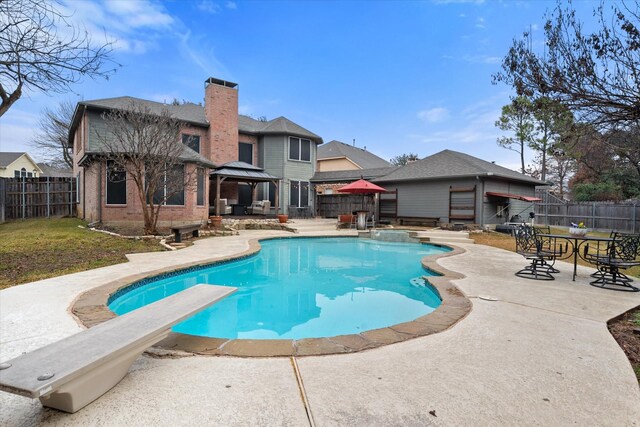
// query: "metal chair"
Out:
[542,252]
[622,252]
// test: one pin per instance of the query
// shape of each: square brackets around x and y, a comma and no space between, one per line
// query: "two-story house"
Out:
[215,136]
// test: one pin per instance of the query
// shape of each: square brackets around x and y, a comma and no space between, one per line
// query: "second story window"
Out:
[245,152]
[299,149]
[191,141]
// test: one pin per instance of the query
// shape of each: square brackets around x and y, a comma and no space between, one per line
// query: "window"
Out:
[116,184]
[299,149]
[299,194]
[191,141]
[16,174]
[245,152]
[171,189]
[200,187]
[272,193]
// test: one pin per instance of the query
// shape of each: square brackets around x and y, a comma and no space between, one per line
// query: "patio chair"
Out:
[622,252]
[371,221]
[542,252]
[548,245]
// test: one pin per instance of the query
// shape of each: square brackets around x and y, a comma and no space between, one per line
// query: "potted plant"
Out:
[578,230]
[283,218]
[216,221]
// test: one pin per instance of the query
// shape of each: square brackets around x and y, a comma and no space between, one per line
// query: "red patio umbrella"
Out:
[362,186]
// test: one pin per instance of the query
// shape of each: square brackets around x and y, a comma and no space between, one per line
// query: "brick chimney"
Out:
[221,110]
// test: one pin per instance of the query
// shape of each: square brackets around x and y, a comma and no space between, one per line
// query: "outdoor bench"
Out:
[73,372]
[179,230]
[427,222]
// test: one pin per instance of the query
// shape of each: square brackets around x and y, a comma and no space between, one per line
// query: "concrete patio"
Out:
[529,353]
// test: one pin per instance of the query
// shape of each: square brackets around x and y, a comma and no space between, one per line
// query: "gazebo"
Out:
[245,173]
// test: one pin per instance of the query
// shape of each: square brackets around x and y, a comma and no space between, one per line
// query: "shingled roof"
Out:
[361,157]
[187,112]
[6,158]
[450,164]
[352,175]
[278,126]
[194,114]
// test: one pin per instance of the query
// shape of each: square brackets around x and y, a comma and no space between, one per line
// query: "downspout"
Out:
[481,201]
[100,191]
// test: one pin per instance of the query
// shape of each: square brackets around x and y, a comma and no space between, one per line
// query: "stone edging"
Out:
[90,308]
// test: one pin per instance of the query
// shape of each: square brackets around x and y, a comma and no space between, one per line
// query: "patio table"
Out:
[577,242]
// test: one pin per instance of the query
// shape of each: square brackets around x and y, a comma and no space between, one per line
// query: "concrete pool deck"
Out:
[529,353]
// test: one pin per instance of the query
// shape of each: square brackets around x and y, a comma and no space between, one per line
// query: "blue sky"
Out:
[395,76]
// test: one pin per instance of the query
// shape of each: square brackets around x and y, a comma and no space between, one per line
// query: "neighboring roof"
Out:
[514,196]
[7,158]
[359,156]
[352,175]
[54,172]
[242,170]
[453,164]
[278,126]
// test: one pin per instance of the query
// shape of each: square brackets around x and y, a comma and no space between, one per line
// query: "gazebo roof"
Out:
[241,171]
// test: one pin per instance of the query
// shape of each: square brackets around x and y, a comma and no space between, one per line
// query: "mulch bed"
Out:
[623,330]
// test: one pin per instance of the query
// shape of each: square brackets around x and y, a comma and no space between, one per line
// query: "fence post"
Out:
[3,202]
[48,198]
[633,220]
[23,199]
[593,215]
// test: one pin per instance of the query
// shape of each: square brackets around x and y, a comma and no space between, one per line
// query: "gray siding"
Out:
[96,131]
[515,207]
[428,199]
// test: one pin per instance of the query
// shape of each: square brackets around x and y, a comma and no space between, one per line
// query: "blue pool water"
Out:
[304,288]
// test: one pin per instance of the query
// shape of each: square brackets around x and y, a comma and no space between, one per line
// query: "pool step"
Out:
[443,236]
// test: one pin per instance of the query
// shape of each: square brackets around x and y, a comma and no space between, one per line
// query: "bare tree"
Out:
[596,75]
[517,118]
[52,138]
[146,147]
[40,49]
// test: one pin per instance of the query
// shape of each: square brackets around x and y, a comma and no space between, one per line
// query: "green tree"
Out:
[551,120]
[517,117]
[404,159]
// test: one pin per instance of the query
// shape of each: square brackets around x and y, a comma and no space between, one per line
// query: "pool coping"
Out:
[90,309]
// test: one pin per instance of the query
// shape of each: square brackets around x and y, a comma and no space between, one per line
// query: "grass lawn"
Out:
[41,248]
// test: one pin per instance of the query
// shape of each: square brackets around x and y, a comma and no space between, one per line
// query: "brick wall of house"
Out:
[132,211]
[221,109]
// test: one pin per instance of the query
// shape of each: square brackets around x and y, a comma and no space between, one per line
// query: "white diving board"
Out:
[73,372]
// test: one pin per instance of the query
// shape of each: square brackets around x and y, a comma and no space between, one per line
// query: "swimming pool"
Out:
[304,288]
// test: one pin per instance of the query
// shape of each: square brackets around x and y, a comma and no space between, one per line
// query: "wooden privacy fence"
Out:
[43,197]
[604,216]
[332,205]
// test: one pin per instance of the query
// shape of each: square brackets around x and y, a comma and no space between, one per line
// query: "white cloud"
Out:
[480,22]
[209,6]
[458,1]
[433,115]
[476,59]
[139,13]
[132,25]
[231,5]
